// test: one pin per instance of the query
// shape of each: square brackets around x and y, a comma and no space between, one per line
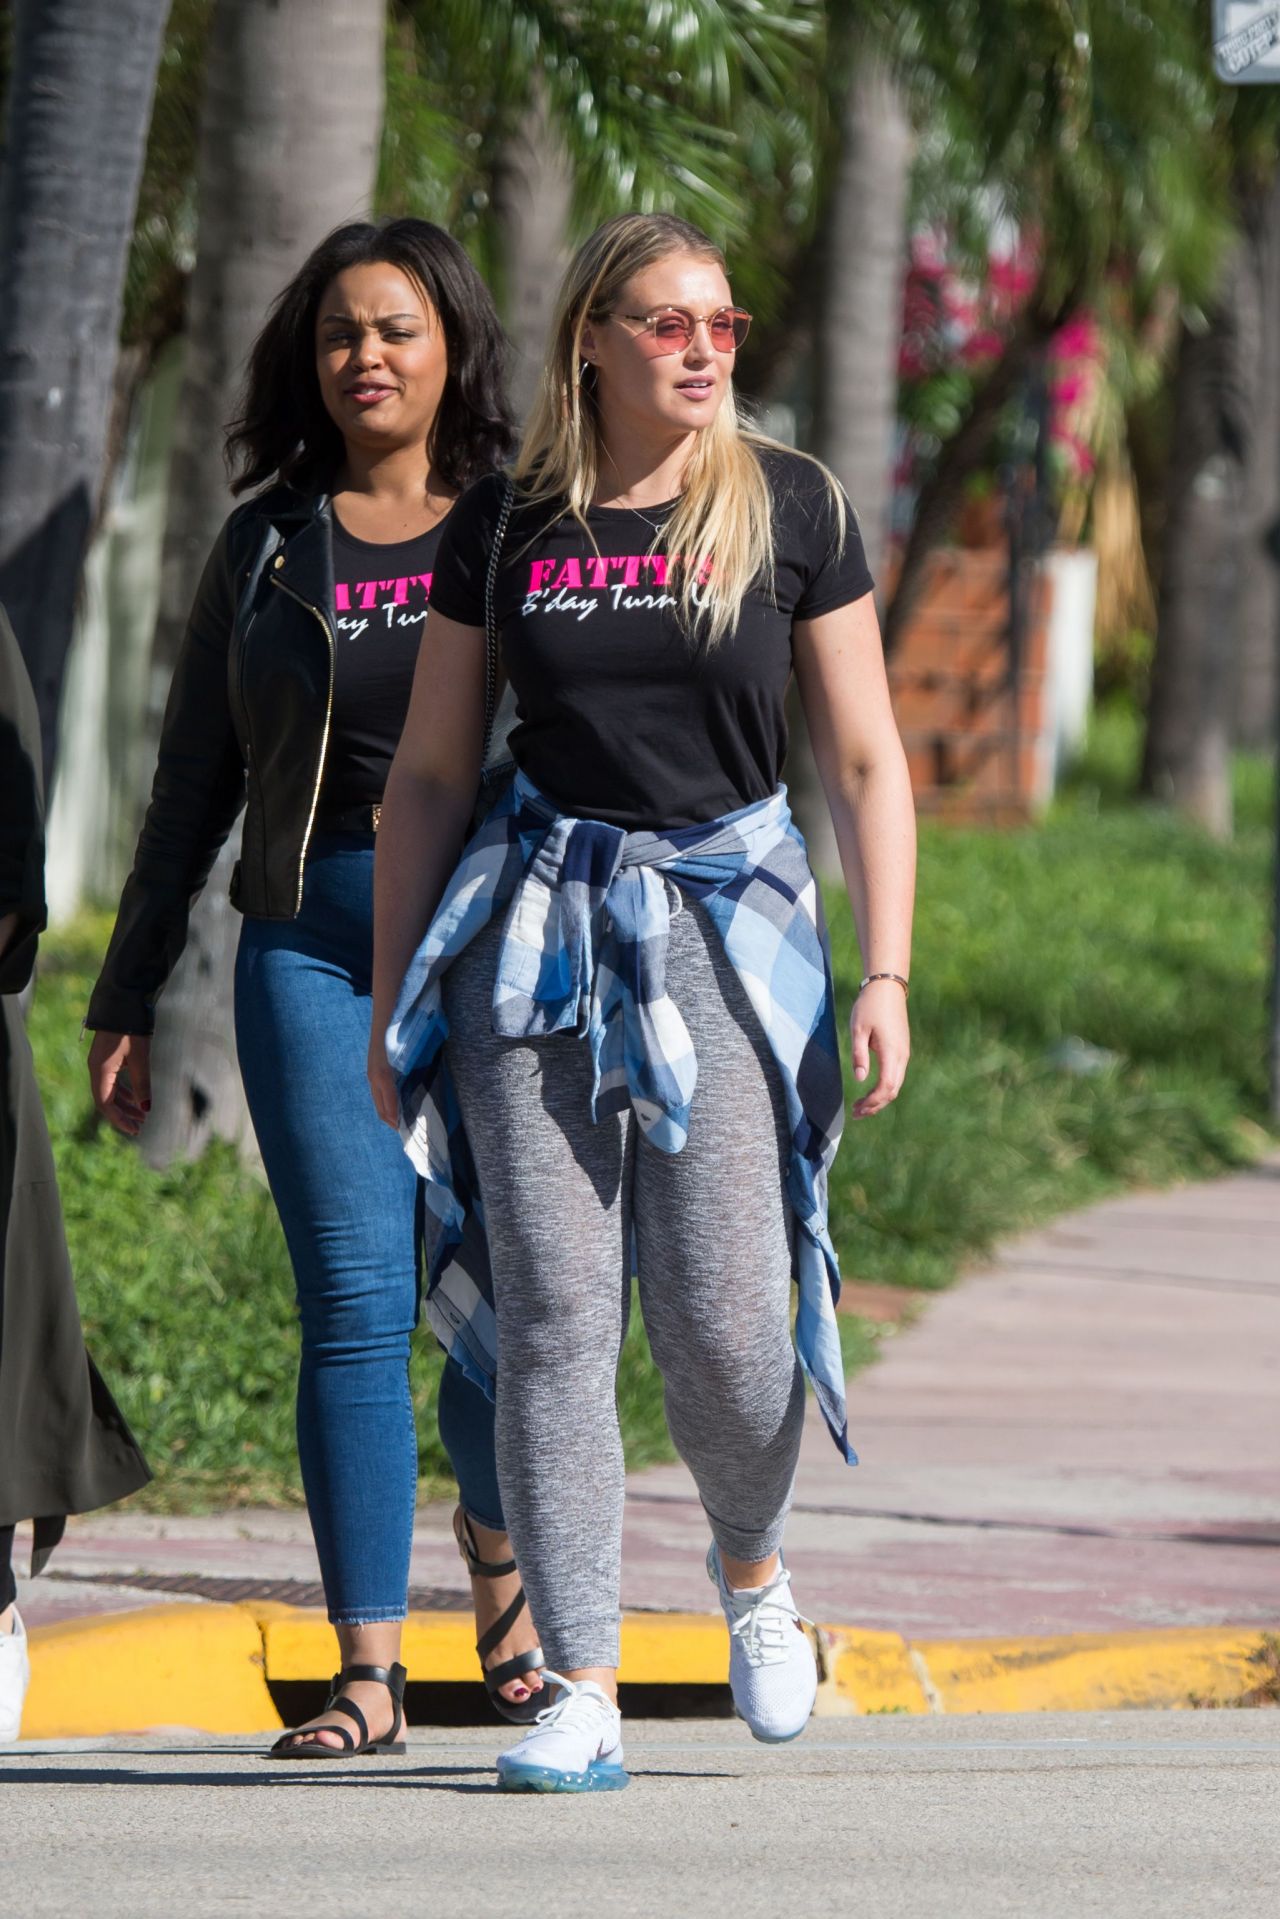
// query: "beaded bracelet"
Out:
[874,976]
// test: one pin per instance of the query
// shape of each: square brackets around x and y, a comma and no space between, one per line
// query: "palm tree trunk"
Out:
[93,820]
[532,191]
[1259,591]
[289,138]
[80,93]
[860,264]
[1186,760]
[863,265]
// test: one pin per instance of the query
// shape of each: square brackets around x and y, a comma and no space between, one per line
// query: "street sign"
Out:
[1246,42]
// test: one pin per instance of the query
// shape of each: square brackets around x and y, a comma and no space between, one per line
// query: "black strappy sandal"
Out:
[524,1711]
[311,1747]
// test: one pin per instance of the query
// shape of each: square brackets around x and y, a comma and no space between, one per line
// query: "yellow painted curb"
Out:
[1090,1672]
[672,1649]
[199,1666]
[868,1672]
[206,1666]
[299,1643]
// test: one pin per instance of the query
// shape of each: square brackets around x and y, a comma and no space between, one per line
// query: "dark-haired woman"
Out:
[374,397]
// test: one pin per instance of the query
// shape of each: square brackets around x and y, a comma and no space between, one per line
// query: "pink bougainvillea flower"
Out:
[1078,339]
[1070,389]
[956,324]
[928,251]
[984,345]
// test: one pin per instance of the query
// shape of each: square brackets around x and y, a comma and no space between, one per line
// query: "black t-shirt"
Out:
[381,600]
[621,716]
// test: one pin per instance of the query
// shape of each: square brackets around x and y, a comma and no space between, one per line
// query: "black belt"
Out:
[349,819]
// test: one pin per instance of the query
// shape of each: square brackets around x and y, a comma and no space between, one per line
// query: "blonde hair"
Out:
[724,519]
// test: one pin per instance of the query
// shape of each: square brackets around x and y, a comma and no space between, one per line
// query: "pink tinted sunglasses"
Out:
[671,329]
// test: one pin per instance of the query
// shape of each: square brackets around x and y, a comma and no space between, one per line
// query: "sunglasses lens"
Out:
[729,329]
[672,333]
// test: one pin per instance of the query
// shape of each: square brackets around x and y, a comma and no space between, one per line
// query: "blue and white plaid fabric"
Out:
[584,951]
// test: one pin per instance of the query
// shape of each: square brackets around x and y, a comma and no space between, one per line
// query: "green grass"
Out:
[186,1292]
[1112,922]
[1109,921]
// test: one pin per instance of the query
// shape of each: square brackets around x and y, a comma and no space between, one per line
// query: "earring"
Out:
[582,371]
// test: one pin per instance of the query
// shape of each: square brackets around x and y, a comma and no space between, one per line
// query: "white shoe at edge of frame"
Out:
[773,1674]
[15,1677]
[575,1745]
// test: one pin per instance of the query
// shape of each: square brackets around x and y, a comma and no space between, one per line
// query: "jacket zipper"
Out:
[324,742]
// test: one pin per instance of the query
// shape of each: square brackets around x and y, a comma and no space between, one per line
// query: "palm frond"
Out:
[653,99]
[431,133]
[164,236]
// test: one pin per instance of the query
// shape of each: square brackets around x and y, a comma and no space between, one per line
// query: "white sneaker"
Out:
[773,1674]
[15,1677]
[575,1745]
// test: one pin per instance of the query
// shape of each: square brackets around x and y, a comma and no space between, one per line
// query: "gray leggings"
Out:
[713,1240]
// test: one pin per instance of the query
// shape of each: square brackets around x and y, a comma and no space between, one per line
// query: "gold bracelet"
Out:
[896,976]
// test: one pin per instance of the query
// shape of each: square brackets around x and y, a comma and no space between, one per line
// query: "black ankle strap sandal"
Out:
[307,1745]
[520,1712]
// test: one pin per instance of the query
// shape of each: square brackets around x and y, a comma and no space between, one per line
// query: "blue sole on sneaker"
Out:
[597,1778]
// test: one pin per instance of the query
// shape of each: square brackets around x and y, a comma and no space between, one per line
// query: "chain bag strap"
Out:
[493,775]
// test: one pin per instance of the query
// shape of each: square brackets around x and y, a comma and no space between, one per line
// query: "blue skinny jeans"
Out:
[349,1201]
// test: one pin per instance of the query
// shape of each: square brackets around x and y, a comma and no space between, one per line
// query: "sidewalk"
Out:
[1081,1438]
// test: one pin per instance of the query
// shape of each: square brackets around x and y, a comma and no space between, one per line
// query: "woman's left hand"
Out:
[879,1025]
[383,1086]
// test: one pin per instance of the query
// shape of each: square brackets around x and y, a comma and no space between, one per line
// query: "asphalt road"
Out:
[1045,1817]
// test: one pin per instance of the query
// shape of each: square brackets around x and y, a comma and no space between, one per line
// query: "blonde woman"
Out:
[619,1027]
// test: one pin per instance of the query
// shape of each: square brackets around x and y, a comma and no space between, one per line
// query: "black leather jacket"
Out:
[247,724]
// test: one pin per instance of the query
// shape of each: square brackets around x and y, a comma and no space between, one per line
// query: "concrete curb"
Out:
[207,1667]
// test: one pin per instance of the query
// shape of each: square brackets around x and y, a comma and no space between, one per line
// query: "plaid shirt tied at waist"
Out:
[586,916]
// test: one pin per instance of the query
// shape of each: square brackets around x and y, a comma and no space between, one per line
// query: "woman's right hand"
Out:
[382,1084]
[120,1079]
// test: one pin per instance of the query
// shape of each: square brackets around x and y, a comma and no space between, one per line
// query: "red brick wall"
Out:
[949,677]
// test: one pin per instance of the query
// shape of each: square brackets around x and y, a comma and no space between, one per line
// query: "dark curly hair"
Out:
[284,430]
